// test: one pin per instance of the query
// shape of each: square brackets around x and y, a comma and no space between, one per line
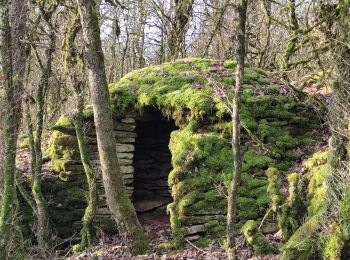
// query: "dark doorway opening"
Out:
[152,162]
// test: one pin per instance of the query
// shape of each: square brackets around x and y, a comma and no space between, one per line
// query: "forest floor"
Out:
[157,228]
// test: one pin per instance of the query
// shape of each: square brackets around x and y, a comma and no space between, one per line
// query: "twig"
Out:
[264,218]
[70,239]
[194,245]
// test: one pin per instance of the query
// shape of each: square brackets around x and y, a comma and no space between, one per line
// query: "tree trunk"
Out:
[13,56]
[1,147]
[217,27]
[87,234]
[266,29]
[118,201]
[140,33]
[240,25]
[183,13]
[115,46]
[74,72]
[44,229]
[292,42]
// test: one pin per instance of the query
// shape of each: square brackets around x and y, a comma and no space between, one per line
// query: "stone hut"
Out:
[172,126]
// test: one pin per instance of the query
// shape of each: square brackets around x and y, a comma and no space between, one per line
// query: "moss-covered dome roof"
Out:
[195,86]
[197,93]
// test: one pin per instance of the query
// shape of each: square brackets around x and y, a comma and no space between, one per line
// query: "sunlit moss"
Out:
[334,243]
[274,188]
[257,240]
[304,243]
[307,241]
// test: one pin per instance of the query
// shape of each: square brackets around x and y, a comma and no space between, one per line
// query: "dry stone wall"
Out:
[124,131]
[149,131]
[70,191]
[275,125]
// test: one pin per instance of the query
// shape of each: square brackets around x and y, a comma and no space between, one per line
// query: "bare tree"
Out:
[47,11]
[13,59]
[240,27]
[74,70]
[179,24]
[118,201]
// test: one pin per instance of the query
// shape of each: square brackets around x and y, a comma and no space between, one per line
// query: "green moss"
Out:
[77,248]
[109,226]
[166,246]
[262,201]
[293,178]
[254,191]
[278,135]
[88,113]
[64,125]
[178,231]
[209,150]
[202,64]
[63,121]
[334,244]
[252,76]
[229,64]
[304,243]
[256,239]
[177,174]
[344,209]
[274,89]
[319,158]
[317,170]
[210,202]
[203,242]
[62,216]
[247,209]
[178,86]
[188,200]
[251,183]
[253,161]
[74,196]
[317,202]
[23,141]
[199,182]
[125,99]
[274,188]
[247,118]
[62,150]
[290,215]
[63,147]
[217,230]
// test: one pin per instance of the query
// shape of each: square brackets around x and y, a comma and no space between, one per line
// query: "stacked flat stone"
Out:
[124,130]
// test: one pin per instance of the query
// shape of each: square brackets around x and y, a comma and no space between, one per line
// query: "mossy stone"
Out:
[257,240]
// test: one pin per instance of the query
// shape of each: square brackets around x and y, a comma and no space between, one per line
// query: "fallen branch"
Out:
[194,245]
